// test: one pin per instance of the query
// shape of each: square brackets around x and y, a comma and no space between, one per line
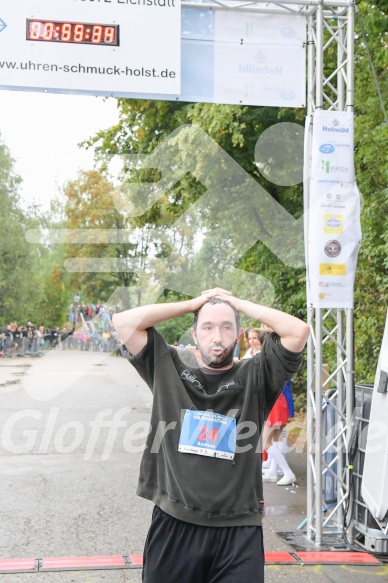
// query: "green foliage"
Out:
[371,146]
[89,206]
[33,283]
[177,329]
[19,291]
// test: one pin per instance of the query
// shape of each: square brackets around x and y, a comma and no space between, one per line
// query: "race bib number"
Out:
[209,434]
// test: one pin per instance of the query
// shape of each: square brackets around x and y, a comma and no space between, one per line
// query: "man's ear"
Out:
[194,335]
[240,333]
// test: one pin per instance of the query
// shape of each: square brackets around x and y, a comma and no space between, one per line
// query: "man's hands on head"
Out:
[131,325]
[223,294]
[216,292]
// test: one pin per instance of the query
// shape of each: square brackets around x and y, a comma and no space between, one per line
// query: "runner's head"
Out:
[216,330]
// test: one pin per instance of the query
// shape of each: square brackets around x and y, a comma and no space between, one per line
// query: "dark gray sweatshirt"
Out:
[200,489]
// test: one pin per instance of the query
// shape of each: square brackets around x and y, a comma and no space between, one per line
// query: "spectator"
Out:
[254,343]
[54,337]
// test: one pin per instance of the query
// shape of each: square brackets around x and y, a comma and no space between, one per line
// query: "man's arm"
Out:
[293,332]
[131,325]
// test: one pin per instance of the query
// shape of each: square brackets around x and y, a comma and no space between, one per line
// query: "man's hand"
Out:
[216,292]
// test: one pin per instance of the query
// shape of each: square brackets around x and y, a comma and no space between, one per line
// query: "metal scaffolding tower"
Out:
[330,86]
[330,73]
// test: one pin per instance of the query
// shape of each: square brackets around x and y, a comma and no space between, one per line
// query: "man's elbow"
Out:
[303,333]
[117,323]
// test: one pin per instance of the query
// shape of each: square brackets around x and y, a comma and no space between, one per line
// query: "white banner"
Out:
[332,211]
[259,59]
[74,46]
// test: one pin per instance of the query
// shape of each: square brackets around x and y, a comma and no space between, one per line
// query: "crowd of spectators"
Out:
[89,328]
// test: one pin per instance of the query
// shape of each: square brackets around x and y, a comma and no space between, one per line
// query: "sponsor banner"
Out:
[332,203]
[259,59]
[258,74]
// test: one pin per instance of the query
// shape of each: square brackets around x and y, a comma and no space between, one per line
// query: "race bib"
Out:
[209,434]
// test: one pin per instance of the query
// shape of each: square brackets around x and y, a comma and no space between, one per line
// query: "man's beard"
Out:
[221,360]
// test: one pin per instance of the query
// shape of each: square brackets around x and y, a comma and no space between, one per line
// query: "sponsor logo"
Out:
[330,195]
[333,224]
[248,28]
[332,248]
[288,32]
[260,58]
[332,269]
[335,127]
[327,148]
[260,70]
[330,284]
[339,168]
[328,168]
[332,205]
[322,296]
[248,89]
[287,94]
[233,91]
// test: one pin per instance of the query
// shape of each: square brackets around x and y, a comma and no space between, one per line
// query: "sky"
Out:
[42,131]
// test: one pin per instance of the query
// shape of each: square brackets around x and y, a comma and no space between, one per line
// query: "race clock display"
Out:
[73,32]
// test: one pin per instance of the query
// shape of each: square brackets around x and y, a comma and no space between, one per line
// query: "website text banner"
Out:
[333,231]
[226,57]
[76,46]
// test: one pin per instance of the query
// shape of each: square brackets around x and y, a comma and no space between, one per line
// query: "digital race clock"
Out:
[73,32]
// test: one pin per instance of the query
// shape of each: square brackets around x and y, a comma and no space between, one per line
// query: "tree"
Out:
[19,291]
[371,145]
[113,252]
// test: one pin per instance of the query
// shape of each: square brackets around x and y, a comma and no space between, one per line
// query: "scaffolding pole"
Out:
[330,42]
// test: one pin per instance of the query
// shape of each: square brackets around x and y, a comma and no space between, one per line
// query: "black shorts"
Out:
[181,552]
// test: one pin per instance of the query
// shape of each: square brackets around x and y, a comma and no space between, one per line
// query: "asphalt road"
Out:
[72,431]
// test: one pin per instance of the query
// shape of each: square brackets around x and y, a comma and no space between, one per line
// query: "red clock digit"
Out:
[97,34]
[109,35]
[48,30]
[35,30]
[66,32]
[78,33]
